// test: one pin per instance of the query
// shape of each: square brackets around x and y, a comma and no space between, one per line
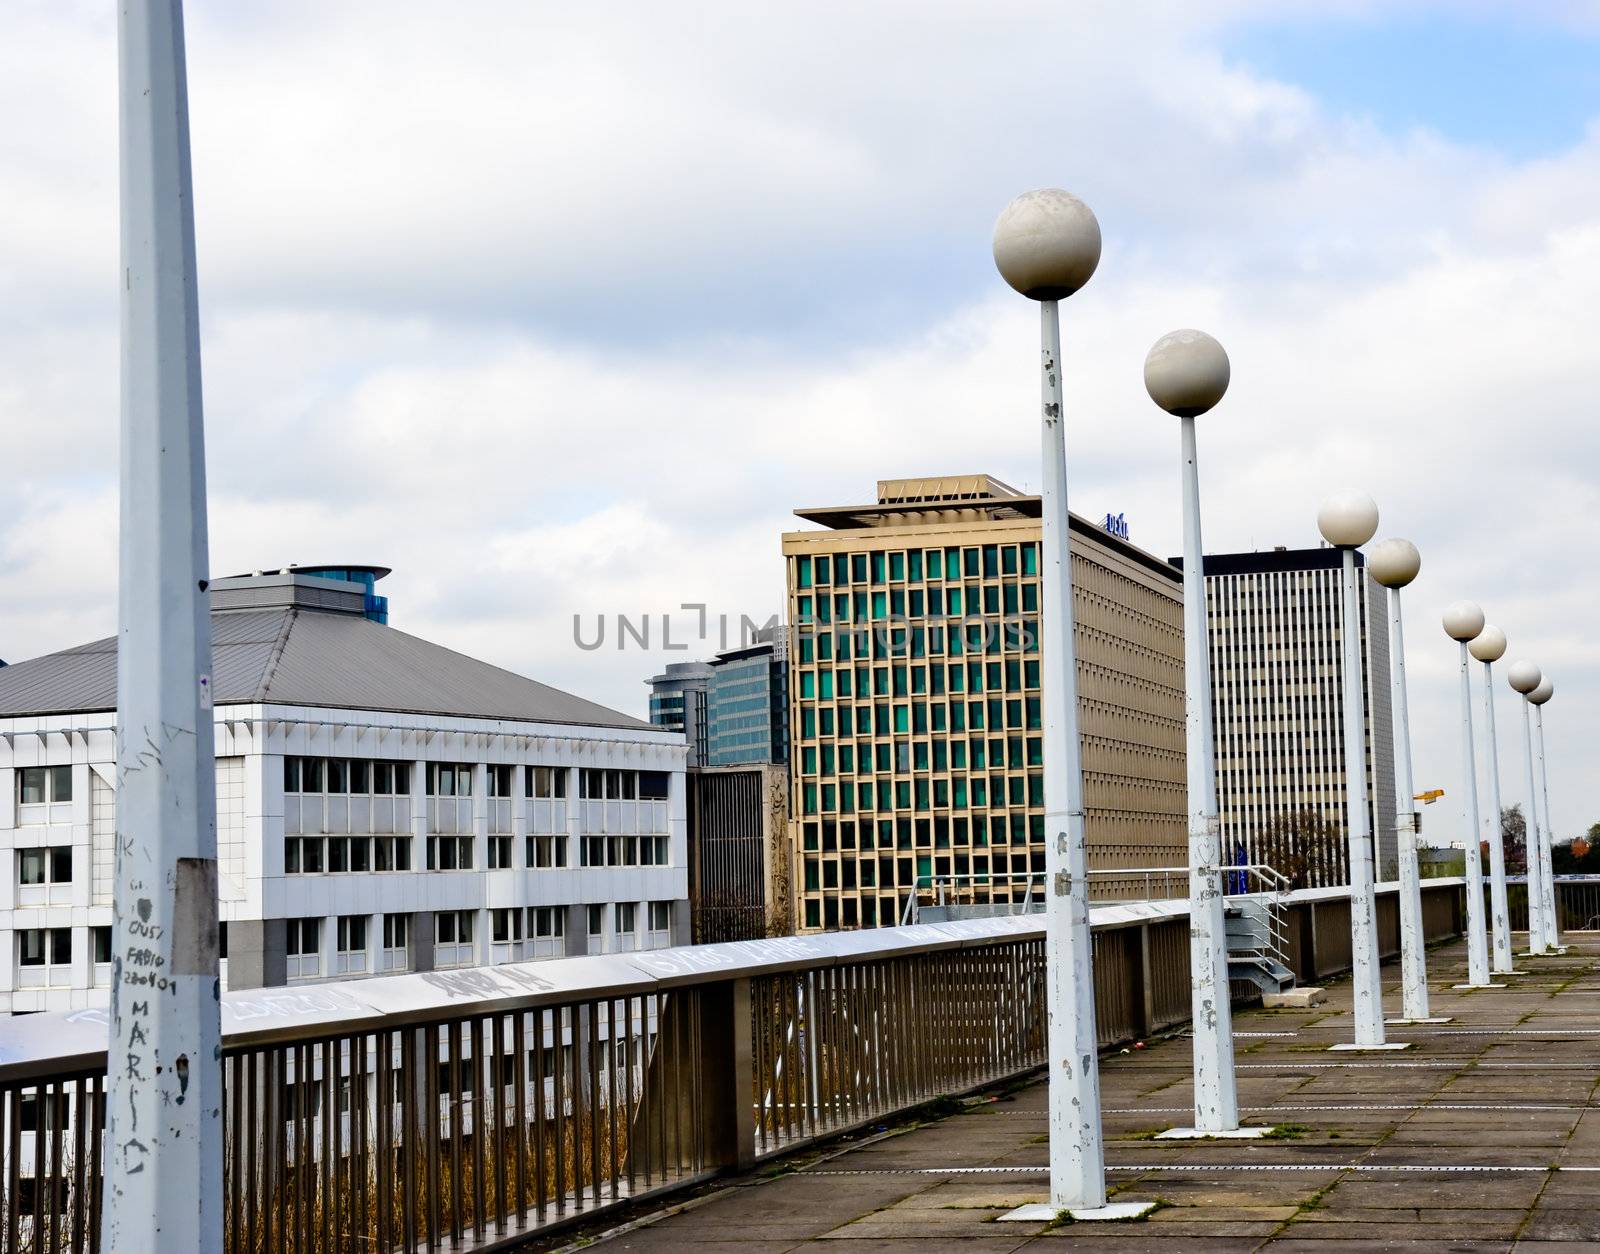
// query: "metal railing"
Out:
[468,1109]
[1268,926]
[1001,889]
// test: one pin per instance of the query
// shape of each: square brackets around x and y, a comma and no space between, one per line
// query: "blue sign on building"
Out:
[1117,525]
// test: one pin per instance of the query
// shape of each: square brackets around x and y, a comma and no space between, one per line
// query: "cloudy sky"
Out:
[562,308]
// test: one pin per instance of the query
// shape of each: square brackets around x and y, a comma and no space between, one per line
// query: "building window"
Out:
[43,868]
[449,779]
[355,776]
[44,957]
[499,853]
[653,785]
[546,781]
[351,955]
[506,935]
[44,785]
[304,948]
[660,916]
[393,853]
[453,938]
[396,955]
[597,920]
[547,851]
[449,853]
[499,776]
[625,916]
[549,931]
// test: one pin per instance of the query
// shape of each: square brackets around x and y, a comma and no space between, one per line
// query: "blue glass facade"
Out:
[748,709]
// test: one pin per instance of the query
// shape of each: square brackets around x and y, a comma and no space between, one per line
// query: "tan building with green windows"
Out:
[914,690]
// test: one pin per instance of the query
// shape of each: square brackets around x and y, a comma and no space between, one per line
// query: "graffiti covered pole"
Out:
[163,1148]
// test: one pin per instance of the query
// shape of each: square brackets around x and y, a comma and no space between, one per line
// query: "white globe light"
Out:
[1462,620]
[1348,519]
[1524,676]
[1186,373]
[1490,646]
[1046,244]
[1543,692]
[1394,563]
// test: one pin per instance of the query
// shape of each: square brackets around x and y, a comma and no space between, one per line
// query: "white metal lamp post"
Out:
[1187,373]
[1552,915]
[1348,520]
[162,1187]
[1489,646]
[1395,563]
[1463,620]
[1046,246]
[1524,678]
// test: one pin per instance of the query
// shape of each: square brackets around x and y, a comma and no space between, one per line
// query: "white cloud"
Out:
[563,309]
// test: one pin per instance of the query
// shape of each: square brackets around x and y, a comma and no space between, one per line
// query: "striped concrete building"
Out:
[1277,671]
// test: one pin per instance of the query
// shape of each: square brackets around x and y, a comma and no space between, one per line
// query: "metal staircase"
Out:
[1254,922]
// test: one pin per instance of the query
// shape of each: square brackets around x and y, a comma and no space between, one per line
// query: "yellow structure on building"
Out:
[914,691]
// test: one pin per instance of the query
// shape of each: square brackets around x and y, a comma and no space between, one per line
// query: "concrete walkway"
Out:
[1483,1136]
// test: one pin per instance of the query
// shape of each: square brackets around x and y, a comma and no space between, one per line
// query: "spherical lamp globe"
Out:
[1186,373]
[1543,692]
[1524,676]
[1046,244]
[1394,563]
[1348,520]
[1462,620]
[1490,646]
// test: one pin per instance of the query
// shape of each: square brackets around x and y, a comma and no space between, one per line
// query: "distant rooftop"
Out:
[939,499]
[303,638]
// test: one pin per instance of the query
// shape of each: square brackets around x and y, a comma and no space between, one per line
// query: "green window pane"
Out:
[902,719]
[808,646]
[935,563]
[1008,559]
[960,791]
[841,568]
[825,646]
[897,567]
[969,564]
[991,561]
[858,568]
[958,754]
[802,570]
[922,794]
[902,795]
[1030,597]
[877,568]
[844,677]
[880,605]
[808,723]
[810,798]
[830,798]
[808,683]
[953,601]
[919,718]
[1030,559]
[847,759]
[808,760]
[826,683]
[826,723]
[914,565]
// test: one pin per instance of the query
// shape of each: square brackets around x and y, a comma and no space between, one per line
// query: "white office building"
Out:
[383,804]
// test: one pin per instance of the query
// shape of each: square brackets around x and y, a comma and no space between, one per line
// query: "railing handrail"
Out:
[54,1042]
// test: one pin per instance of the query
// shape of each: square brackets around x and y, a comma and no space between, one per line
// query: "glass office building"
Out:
[915,695]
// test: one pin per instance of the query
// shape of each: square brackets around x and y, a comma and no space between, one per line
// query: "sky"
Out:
[561,310]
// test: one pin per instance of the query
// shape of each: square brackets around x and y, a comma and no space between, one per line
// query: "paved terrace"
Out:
[1483,1136]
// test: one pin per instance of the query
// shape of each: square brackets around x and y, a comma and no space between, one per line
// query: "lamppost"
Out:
[1187,373]
[162,1184]
[1463,620]
[1046,246]
[1524,678]
[1552,915]
[1395,563]
[1348,520]
[1489,646]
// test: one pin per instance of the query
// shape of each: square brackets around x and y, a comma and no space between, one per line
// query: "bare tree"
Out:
[1514,839]
[1305,847]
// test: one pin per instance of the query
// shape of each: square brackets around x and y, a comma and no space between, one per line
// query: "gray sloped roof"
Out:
[296,656]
